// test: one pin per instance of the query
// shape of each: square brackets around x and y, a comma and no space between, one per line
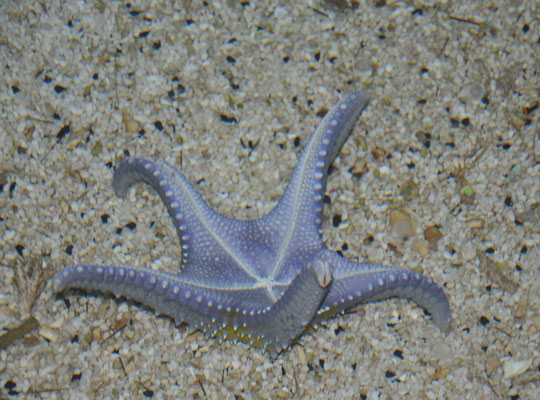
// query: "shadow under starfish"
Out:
[272,277]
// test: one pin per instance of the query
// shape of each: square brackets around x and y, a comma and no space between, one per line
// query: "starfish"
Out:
[269,278]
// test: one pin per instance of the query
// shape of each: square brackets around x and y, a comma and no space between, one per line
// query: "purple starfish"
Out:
[270,277]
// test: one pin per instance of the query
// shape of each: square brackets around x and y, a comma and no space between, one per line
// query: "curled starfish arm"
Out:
[164,178]
[356,283]
[204,234]
[191,216]
[276,325]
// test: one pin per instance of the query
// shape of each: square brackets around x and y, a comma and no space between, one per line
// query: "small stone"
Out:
[362,142]
[117,364]
[87,90]
[130,334]
[515,120]
[358,169]
[204,349]
[88,338]
[409,190]
[382,171]
[522,306]
[514,173]
[492,364]
[129,368]
[503,266]
[532,216]
[3,301]
[433,234]
[441,373]
[402,224]
[467,195]
[536,321]
[129,122]
[364,65]
[302,358]
[282,393]
[57,323]
[100,6]
[472,92]
[513,368]
[422,247]
[7,312]
[96,334]
[48,333]
[97,148]
[424,138]
[475,223]
[192,337]
[468,251]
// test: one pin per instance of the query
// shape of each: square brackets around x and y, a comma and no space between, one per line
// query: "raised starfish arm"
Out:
[303,195]
[355,283]
[276,325]
[298,214]
[286,319]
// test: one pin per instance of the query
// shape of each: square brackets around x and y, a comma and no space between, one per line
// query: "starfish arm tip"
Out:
[360,282]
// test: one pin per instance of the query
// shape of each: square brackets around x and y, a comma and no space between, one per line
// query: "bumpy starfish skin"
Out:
[273,276]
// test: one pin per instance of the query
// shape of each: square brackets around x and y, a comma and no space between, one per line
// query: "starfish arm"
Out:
[165,293]
[276,325]
[355,283]
[204,234]
[308,180]
[186,207]
[286,319]
[298,214]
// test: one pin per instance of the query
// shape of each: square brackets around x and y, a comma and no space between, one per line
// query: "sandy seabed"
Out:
[446,155]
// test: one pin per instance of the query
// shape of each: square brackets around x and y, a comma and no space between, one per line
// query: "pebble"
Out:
[129,122]
[130,367]
[472,92]
[433,234]
[48,333]
[468,251]
[422,247]
[57,323]
[513,368]
[3,300]
[402,224]
[516,120]
[409,190]
[301,355]
[467,195]
[475,223]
